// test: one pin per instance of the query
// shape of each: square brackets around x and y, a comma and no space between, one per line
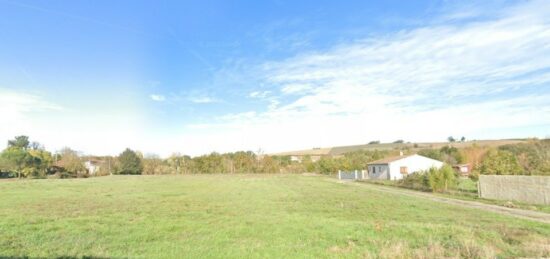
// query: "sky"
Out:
[194,77]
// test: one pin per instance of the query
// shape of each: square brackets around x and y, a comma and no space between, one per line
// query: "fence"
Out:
[523,188]
[352,175]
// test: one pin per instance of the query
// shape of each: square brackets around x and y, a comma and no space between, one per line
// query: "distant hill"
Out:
[335,151]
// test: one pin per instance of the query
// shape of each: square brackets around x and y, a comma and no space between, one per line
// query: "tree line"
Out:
[528,158]
[23,158]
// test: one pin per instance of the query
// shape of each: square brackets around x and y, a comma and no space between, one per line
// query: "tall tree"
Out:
[500,162]
[451,155]
[152,164]
[431,153]
[41,159]
[243,162]
[268,165]
[129,163]
[70,160]
[25,158]
[19,142]
[179,164]
[15,159]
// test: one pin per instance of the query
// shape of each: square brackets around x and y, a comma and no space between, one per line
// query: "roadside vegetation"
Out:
[465,189]
[443,179]
[248,215]
[25,159]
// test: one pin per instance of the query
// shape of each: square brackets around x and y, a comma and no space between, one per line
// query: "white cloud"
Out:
[485,77]
[16,109]
[15,103]
[158,97]
[94,130]
[296,88]
[259,94]
[240,117]
[203,99]
[422,84]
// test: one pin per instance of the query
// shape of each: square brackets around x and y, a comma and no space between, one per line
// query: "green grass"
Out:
[467,190]
[467,185]
[244,216]
[509,204]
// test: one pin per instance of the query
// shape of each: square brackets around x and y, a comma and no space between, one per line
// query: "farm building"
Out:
[462,169]
[395,168]
[92,165]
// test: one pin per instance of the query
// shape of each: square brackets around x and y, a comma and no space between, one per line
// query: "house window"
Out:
[404,170]
[374,169]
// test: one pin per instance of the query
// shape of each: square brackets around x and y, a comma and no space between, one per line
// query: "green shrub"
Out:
[130,162]
[417,181]
[474,175]
[442,179]
[500,162]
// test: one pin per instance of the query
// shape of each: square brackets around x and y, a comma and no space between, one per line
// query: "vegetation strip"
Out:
[525,214]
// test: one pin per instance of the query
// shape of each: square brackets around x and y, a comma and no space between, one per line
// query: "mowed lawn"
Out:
[243,216]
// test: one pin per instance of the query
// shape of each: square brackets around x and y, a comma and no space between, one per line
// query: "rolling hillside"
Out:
[335,151]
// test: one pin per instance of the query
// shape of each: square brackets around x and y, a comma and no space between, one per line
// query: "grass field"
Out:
[236,216]
[467,185]
[467,190]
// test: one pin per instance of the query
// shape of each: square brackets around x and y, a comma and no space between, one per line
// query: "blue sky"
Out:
[202,76]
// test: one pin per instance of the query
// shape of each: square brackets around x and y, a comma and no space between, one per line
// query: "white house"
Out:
[92,166]
[395,168]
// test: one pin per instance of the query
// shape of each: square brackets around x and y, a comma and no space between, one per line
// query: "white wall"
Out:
[414,164]
[382,172]
[523,188]
[92,169]
[296,159]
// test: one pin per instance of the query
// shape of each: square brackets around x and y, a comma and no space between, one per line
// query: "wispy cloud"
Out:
[203,99]
[59,123]
[13,103]
[194,97]
[474,71]
[508,52]
[17,108]
[416,84]
[259,94]
[157,97]
[296,88]
[71,16]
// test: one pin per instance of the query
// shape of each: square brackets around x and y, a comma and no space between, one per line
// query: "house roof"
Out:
[388,160]
[461,165]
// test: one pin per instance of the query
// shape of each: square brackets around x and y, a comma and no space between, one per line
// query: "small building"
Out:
[92,166]
[395,168]
[462,169]
[297,159]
